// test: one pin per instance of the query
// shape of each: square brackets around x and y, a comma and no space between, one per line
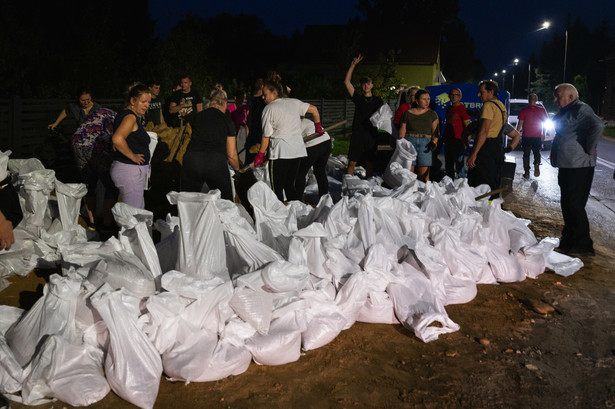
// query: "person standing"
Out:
[363,141]
[532,132]
[318,152]
[256,105]
[487,156]
[456,120]
[185,102]
[419,125]
[574,153]
[407,104]
[154,113]
[79,110]
[130,166]
[282,129]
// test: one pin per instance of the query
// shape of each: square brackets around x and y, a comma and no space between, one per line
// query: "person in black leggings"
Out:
[211,148]
[318,152]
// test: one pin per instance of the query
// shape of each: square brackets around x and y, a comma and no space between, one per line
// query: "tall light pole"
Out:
[515,61]
[544,26]
[565,54]
[503,78]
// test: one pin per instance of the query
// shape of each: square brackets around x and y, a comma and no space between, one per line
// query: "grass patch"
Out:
[609,131]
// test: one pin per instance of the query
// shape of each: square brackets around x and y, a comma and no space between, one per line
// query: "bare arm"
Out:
[199,107]
[128,125]
[480,141]
[58,120]
[402,130]
[264,144]
[314,111]
[520,125]
[516,137]
[231,152]
[6,233]
[175,107]
[348,79]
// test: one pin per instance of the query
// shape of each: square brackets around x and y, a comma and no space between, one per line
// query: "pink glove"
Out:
[319,129]
[258,160]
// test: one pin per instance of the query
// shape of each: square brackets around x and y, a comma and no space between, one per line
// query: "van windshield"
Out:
[515,108]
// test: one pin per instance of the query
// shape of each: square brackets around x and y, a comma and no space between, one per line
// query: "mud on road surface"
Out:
[544,343]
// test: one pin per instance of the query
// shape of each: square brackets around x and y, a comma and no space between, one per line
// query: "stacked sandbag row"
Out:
[221,290]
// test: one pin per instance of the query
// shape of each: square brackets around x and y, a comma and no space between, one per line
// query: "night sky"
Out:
[502,30]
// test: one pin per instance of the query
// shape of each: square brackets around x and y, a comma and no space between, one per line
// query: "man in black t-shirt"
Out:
[186,101]
[154,112]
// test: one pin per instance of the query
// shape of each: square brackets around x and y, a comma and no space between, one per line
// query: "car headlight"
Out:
[548,125]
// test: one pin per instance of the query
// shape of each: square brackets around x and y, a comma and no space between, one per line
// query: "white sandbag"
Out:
[69,202]
[66,371]
[435,205]
[153,141]
[138,240]
[336,263]
[161,321]
[533,259]
[560,263]
[403,155]
[20,259]
[352,296]
[244,252]
[88,254]
[4,161]
[282,343]
[254,307]
[211,310]
[187,358]
[123,270]
[226,360]
[461,259]
[378,309]
[11,372]
[282,276]
[128,216]
[167,227]
[351,185]
[381,119]
[417,308]
[23,166]
[9,316]
[324,320]
[37,185]
[201,251]
[273,221]
[53,313]
[132,365]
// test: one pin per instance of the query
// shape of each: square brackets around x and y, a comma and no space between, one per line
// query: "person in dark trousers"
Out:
[487,157]
[530,126]
[282,130]
[457,119]
[318,152]
[211,148]
[364,139]
[574,153]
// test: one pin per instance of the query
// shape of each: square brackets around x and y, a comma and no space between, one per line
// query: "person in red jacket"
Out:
[456,120]
[530,126]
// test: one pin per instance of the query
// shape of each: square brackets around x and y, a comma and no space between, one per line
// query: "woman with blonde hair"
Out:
[131,155]
[212,147]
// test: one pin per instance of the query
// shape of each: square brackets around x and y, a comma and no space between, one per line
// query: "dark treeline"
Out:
[51,49]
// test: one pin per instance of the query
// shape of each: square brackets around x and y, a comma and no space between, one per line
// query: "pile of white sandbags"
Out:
[221,290]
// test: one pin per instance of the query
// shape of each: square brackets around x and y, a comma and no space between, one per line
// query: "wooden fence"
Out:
[23,122]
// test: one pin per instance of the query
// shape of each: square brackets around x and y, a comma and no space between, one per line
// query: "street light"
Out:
[516,62]
[503,79]
[545,26]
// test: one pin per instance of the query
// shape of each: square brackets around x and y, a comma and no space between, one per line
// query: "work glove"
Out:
[319,129]
[508,149]
[259,159]
[430,147]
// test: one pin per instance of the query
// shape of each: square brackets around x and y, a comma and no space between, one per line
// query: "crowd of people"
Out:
[114,149]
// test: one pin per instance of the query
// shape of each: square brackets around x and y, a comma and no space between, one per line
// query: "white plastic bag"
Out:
[132,365]
[69,372]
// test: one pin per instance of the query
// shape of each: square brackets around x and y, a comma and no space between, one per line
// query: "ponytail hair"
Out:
[274,83]
[135,91]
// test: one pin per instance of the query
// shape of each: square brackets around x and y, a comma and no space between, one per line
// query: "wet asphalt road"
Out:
[601,204]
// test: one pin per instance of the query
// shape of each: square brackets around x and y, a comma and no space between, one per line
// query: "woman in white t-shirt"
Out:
[282,135]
